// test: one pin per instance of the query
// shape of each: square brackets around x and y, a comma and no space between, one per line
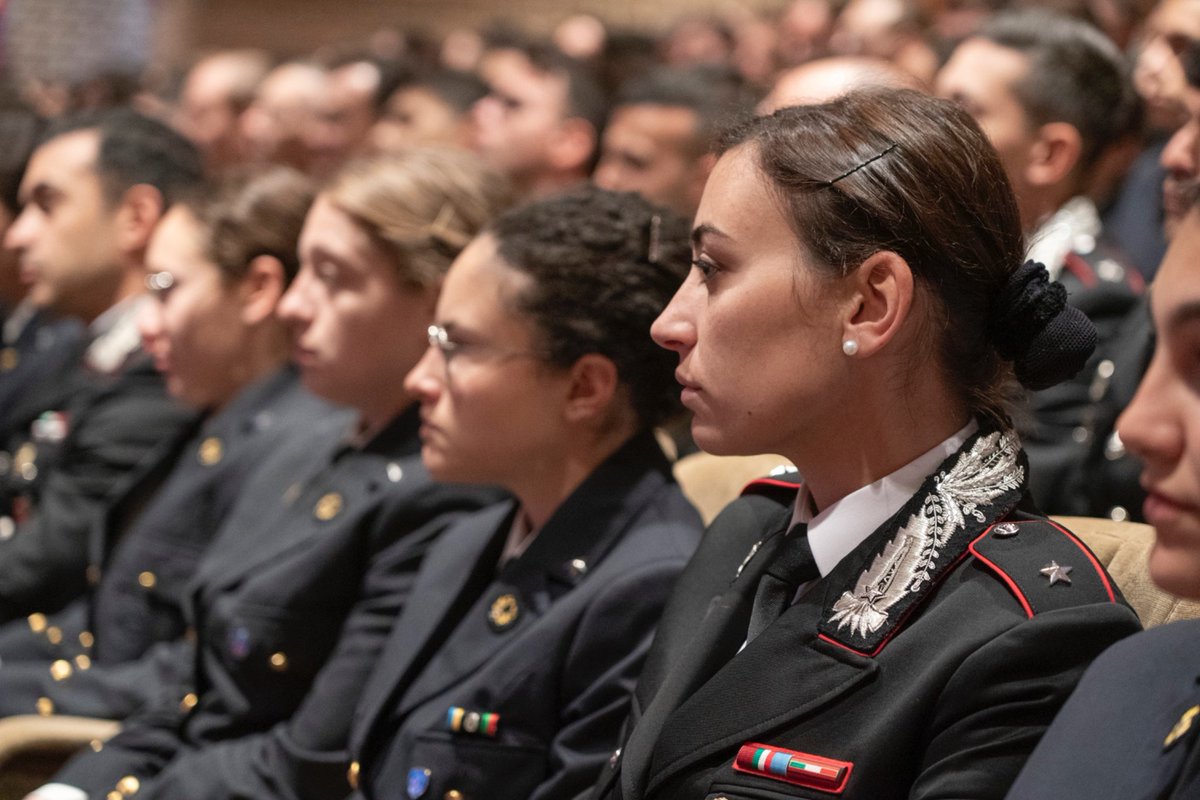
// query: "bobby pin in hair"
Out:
[869,161]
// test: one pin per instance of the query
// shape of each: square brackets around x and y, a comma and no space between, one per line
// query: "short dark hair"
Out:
[715,96]
[1076,75]
[585,97]
[895,169]
[459,90]
[19,128]
[603,265]
[136,149]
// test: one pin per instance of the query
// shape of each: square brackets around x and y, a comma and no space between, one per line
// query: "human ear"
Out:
[880,303]
[1054,154]
[572,144]
[138,213]
[592,386]
[261,288]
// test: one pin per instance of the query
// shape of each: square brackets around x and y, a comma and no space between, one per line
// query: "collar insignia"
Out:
[982,483]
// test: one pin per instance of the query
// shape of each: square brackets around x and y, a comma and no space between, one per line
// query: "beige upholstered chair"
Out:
[32,748]
[1123,548]
[711,482]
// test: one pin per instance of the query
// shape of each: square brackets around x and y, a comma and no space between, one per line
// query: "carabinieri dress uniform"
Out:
[144,551]
[290,608]
[925,664]
[510,681]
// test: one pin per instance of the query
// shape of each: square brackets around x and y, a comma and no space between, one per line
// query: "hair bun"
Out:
[1033,326]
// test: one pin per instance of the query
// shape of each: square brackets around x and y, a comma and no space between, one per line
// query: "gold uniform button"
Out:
[189,635]
[328,507]
[96,745]
[9,358]
[147,579]
[128,785]
[211,451]
[54,634]
[188,702]
[453,794]
[83,662]
[37,622]
[352,774]
[92,573]
[279,661]
[45,706]
[87,639]
[61,670]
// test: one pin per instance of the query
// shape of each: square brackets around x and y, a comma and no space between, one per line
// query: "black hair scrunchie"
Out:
[1033,326]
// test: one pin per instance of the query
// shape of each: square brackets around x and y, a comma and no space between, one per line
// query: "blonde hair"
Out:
[422,206]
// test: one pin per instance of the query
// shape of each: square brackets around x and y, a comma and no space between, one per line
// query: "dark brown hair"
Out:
[894,169]
[603,265]
[251,214]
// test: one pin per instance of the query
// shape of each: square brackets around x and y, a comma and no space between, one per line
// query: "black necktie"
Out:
[793,565]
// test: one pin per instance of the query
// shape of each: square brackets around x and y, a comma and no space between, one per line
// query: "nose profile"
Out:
[424,380]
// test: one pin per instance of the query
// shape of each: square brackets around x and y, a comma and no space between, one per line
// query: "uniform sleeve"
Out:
[1003,697]
[306,756]
[42,565]
[602,668]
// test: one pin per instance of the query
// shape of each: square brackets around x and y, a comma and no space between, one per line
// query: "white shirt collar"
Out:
[1073,228]
[841,527]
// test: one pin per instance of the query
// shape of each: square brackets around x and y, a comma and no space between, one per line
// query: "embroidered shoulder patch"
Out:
[980,483]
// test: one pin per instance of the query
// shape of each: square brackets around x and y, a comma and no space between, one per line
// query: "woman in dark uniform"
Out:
[294,599]
[901,624]
[217,265]
[511,677]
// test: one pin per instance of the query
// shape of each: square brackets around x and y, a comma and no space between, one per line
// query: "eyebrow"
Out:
[705,229]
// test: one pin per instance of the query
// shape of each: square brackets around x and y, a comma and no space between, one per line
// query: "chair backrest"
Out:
[1124,549]
[712,482]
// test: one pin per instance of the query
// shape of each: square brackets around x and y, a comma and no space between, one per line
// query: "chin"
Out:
[1175,572]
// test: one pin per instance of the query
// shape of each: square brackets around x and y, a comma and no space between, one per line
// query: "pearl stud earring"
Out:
[850,347]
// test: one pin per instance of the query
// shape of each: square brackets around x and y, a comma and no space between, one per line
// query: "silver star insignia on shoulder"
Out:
[1057,574]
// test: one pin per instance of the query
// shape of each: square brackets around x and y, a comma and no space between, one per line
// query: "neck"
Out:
[264,351]
[550,481]
[881,425]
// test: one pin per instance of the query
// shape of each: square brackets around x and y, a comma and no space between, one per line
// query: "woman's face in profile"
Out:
[358,329]
[192,325]
[757,330]
[490,407]
[1161,426]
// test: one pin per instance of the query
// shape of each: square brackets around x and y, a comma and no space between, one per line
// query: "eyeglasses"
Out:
[158,283]
[452,350]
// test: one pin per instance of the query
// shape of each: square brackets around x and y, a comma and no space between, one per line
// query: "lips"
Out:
[1163,509]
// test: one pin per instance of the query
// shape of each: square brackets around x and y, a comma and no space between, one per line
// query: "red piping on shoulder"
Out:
[771,482]
[1081,269]
[1012,585]
[1092,558]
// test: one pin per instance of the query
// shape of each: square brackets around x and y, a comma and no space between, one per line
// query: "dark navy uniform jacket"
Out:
[926,664]
[1129,732]
[35,348]
[81,433]
[290,607]
[539,655]
[144,550]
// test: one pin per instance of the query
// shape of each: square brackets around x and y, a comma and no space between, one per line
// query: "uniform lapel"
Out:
[587,524]
[463,559]
[345,473]
[716,640]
